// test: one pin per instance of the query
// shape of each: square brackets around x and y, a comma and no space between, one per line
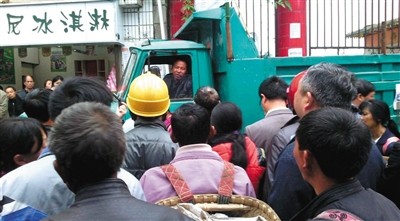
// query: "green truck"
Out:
[220,54]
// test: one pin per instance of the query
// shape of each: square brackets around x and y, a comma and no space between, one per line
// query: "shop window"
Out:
[90,68]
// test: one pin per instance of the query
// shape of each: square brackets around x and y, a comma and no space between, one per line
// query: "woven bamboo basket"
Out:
[239,206]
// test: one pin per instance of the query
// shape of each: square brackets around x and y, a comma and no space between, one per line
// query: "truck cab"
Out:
[161,54]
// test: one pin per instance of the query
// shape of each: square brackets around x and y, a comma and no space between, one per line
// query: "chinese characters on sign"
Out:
[58,23]
[70,21]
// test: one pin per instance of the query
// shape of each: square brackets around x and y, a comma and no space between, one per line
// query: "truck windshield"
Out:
[129,70]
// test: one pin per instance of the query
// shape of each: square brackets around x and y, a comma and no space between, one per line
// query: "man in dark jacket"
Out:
[179,82]
[89,145]
[29,85]
[14,102]
[148,144]
[331,148]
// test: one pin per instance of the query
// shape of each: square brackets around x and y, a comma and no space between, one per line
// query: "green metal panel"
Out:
[239,84]
[210,28]
[382,70]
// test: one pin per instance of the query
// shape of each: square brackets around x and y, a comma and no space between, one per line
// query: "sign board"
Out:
[58,23]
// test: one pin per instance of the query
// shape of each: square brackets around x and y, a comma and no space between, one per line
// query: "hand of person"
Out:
[121,111]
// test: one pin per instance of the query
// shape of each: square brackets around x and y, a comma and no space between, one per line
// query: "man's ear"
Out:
[310,102]
[19,160]
[360,97]
[213,132]
[308,158]
[263,99]
[59,171]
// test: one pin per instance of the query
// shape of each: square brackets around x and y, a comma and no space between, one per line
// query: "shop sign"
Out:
[60,23]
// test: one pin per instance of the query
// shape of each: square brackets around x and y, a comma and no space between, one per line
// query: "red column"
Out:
[291,29]
[175,15]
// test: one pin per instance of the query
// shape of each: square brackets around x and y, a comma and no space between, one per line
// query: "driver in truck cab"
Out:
[179,82]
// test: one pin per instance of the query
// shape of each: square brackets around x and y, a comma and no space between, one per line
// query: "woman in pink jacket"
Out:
[233,146]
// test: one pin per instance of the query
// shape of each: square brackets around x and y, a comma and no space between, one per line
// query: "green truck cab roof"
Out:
[170,45]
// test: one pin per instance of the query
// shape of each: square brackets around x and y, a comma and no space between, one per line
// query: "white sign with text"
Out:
[60,23]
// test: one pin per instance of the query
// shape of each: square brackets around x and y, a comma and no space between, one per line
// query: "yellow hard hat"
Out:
[148,96]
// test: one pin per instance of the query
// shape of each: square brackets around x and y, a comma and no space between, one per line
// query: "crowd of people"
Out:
[12,101]
[325,149]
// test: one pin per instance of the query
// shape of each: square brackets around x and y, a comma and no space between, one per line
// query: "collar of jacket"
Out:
[140,121]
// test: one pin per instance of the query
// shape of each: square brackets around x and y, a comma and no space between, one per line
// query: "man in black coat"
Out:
[15,103]
[89,145]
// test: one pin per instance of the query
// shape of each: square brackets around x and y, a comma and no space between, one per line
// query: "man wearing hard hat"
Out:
[148,144]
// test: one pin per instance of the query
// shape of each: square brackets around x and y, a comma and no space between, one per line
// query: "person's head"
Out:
[332,141]
[29,83]
[89,144]
[272,89]
[207,97]
[190,124]
[376,113]
[11,92]
[36,104]
[21,141]
[155,70]
[56,81]
[47,84]
[324,85]
[226,122]
[226,117]
[365,91]
[179,69]
[78,89]
[148,96]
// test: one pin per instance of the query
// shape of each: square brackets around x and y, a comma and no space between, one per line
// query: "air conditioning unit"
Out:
[131,3]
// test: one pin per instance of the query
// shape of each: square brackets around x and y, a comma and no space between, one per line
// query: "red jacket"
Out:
[253,169]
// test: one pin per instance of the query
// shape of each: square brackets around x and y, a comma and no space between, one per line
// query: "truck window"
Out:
[122,87]
[176,74]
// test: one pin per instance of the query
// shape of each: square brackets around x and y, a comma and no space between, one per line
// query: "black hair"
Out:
[11,88]
[56,78]
[18,136]
[364,87]
[36,104]
[89,144]
[78,89]
[380,114]
[338,141]
[45,82]
[226,117]
[273,88]
[190,124]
